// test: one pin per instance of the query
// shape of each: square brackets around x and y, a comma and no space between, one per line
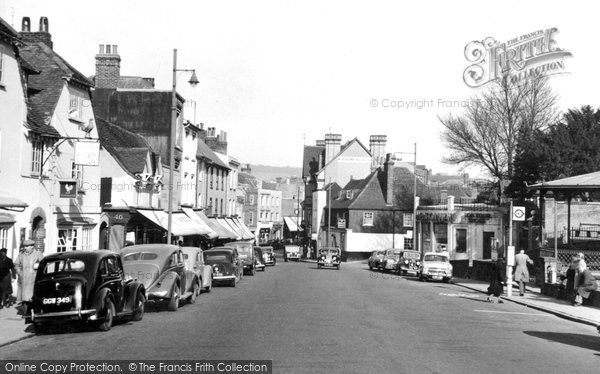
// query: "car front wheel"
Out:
[109,311]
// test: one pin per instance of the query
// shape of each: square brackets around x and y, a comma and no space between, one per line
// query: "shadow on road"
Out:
[577,340]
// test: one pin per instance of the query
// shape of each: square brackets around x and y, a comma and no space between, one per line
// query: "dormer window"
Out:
[349,194]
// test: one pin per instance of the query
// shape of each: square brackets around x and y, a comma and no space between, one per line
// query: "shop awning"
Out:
[291,223]
[238,230]
[221,232]
[198,221]
[7,218]
[235,222]
[245,230]
[181,224]
[228,227]
[12,203]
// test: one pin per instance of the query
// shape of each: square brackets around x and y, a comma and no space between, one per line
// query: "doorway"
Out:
[488,239]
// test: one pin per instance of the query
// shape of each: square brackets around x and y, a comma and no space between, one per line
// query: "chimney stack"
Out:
[108,67]
[388,170]
[332,146]
[377,149]
[43,35]
[320,143]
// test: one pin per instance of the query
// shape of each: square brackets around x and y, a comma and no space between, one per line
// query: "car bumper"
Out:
[270,262]
[79,315]
[326,263]
[409,270]
[436,276]
[219,278]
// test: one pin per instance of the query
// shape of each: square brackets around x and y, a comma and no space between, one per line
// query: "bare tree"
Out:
[487,133]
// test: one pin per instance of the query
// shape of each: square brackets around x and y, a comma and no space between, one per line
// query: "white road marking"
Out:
[499,311]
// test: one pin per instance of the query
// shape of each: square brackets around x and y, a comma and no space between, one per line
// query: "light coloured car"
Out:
[329,257]
[292,252]
[194,260]
[161,269]
[435,266]
[269,255]
[391,259]
[374,261]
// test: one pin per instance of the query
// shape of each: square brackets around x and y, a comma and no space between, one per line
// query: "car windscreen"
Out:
[140,256]
[63,265]
[439,258]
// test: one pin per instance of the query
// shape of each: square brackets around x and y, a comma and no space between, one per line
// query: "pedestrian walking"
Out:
[521,271]
[496,281]
[7,274]
[24,265]
[585,285]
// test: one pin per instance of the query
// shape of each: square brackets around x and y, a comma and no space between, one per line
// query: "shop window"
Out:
[67,240]
[440,232]
[86,239]
[461,240]
[408,243]
[4,236]
[368,218]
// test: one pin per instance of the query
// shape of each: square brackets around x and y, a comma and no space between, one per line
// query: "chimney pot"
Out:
[101,49]
[114,49]
[44,24]
[26,24]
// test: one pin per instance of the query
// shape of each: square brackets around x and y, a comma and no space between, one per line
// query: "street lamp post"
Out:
[193,82]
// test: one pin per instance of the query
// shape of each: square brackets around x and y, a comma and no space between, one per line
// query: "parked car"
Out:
[246,255]
[374,261]
[86,286]
[329,257]
[435,266]
[227,267]
[390,260]
[259,259]
[269,255]
[292,252]
[161,268]
[409,262]
[194,260]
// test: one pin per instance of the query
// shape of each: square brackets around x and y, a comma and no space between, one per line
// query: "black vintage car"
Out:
[84,286]
[227,267]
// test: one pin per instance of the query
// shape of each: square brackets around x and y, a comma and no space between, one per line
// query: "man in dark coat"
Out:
[7,274]
[496,280]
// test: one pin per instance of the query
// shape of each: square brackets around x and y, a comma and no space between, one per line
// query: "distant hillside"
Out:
[267,173]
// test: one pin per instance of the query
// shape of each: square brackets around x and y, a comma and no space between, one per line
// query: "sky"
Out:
[276,75]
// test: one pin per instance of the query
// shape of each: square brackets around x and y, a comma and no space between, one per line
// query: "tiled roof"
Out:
[129,149]
[49,84]
[7,30]
[207,153]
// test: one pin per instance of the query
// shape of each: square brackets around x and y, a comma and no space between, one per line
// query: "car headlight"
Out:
[406,262]
[391,260]
[334,258]
[418,263]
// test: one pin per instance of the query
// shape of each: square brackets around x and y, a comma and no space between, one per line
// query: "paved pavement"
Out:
[13,329]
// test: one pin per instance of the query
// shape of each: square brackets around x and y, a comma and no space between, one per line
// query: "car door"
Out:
[109,277]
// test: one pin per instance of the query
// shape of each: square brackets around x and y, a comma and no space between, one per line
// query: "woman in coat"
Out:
[585,285]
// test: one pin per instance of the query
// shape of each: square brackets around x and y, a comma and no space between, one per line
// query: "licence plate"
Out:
[218,274]
[56,300]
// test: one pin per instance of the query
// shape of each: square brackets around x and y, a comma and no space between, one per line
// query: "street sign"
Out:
[518,213]
[68,189]
[87,152]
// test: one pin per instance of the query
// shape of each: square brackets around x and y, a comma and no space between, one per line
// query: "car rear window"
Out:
[63,265]
[219,257]
[140,256]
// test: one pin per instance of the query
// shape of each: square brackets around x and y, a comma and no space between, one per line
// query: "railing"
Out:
[460,206]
